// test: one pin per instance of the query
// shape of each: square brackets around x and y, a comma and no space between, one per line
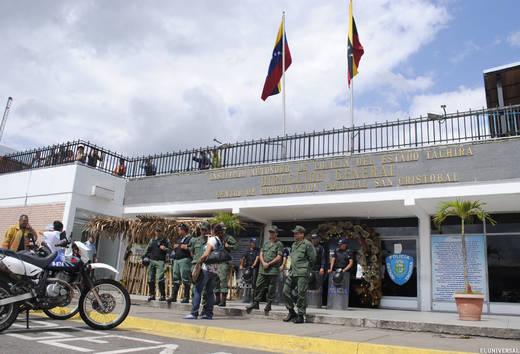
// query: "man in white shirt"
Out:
[52,236]
[91,244]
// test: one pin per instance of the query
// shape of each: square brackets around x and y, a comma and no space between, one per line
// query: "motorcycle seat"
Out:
[36,260]
[7,252]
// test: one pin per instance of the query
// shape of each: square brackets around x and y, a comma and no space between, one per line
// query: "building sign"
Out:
[347,173]
[448,268]
[399,268]
[378,171]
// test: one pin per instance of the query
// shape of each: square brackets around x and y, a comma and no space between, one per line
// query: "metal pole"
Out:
[4,118]
[284,152]
[352,111]
[283,71]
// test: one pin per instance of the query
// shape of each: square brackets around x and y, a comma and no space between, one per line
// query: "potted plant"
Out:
[469,303]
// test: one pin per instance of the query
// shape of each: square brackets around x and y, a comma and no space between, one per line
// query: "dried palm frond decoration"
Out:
[139,229]
[369,255]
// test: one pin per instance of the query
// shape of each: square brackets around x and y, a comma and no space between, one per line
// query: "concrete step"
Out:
[504,327]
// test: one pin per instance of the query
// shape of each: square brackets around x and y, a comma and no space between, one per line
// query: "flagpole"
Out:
[352,111]
[283,84]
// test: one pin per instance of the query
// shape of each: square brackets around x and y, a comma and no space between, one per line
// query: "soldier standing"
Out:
[270,260]
[321,260]
[303,256]
[157,249]
[230,244]
[182,265]
[320,266]
[250,261]
[197,244]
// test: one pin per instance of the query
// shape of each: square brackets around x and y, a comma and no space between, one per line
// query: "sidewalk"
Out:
[493,326]
[276,336]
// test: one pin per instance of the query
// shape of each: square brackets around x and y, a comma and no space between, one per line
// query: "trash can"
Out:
[315,292]
[338,295]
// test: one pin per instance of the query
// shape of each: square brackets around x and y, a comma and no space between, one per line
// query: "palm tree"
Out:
[466,210]
[232,221]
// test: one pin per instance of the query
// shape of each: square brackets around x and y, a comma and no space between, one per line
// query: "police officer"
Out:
[230,244]
[341,258]
[251,260]
[303,256]
[270,260]
[157,249]
[182,265]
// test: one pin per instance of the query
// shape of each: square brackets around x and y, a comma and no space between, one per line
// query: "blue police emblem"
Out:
[399,267]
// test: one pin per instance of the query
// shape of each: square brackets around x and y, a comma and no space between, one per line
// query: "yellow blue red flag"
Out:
[272,84]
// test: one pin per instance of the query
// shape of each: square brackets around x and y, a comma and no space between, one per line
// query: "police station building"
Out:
[387,179]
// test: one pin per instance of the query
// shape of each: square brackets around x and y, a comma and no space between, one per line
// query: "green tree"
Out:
[232,221]
[466,211]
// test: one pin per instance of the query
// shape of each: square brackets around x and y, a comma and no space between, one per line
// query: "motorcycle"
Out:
[31,282]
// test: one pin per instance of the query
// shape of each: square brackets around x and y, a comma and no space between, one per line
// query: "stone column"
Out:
[425,261]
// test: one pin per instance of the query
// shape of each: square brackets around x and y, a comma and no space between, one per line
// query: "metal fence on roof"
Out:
[432,130]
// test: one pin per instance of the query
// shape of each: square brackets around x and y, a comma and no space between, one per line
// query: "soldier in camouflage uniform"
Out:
[303,256]
[157,249]
[181,270]
[230,244]
[270,261]
[197,244]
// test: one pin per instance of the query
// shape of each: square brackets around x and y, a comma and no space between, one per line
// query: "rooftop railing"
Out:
[432,130]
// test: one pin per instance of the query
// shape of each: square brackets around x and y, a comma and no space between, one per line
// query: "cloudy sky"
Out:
[154,76]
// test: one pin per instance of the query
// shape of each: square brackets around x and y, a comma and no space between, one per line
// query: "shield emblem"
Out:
[399,268]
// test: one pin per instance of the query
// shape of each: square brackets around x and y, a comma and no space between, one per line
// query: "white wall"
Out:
[69,184]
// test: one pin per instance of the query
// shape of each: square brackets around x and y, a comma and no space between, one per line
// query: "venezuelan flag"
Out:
[272,84]
[355,49]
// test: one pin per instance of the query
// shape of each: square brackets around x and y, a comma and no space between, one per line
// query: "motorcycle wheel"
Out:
[114,307]
[66,312]
[9,312]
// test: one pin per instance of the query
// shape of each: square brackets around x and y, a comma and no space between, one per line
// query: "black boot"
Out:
[223,298]
[151,286]
[162,290]
[175,291]
[299,319]
[291,316]
[217,299]
[186,297]
[254,306]
[267,308]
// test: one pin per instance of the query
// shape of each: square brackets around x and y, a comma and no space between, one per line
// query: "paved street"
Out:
[55,337]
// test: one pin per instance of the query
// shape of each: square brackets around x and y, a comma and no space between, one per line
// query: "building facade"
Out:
[392,183]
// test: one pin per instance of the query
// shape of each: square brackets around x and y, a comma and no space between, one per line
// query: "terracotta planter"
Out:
[469,306]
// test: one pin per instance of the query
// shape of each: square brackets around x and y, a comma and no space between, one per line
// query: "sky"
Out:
[143,77]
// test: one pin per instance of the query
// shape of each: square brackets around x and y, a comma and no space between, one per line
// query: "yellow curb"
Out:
[263,340]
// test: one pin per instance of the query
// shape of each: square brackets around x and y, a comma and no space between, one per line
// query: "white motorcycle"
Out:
[26,283]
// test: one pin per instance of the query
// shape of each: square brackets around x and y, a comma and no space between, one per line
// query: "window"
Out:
[409,248]
[503,255]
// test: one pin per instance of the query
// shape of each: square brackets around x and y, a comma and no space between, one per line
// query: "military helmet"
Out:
[337,278]
[146,261]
